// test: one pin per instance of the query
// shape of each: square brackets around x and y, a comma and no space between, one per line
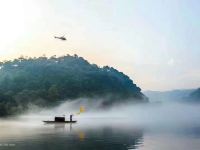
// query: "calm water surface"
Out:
[96,134]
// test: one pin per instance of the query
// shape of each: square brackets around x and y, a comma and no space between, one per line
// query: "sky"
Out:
[156,43]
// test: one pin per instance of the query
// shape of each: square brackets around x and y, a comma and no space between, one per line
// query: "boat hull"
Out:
[60,121]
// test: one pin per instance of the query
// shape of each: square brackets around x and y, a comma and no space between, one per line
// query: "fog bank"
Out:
[152,114]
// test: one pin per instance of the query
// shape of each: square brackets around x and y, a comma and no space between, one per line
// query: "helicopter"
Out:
[61,38]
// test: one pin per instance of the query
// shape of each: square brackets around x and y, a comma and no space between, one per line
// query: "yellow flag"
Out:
[82,109]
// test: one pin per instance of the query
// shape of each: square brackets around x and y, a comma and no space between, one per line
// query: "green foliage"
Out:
[53,92]
[44,81]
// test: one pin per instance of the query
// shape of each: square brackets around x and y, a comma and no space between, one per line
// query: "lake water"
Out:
[96,134]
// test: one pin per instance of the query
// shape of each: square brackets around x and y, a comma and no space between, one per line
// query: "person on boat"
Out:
[71,117]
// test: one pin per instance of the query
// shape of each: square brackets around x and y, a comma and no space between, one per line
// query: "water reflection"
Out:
[72,136]
[96,135]
[108,138]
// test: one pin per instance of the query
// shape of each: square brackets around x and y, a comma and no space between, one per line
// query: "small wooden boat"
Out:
[61,120]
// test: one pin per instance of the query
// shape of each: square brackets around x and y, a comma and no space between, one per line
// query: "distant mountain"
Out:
[46,81]
[194,96]
[166,96]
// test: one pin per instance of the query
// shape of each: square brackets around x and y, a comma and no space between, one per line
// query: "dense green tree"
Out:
[53,92]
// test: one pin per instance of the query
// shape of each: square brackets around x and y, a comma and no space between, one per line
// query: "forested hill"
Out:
[45,81]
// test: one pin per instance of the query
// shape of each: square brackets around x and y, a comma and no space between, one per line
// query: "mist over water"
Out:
[159,115]
[124,126]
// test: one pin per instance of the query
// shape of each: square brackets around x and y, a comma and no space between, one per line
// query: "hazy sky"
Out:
[155,42]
